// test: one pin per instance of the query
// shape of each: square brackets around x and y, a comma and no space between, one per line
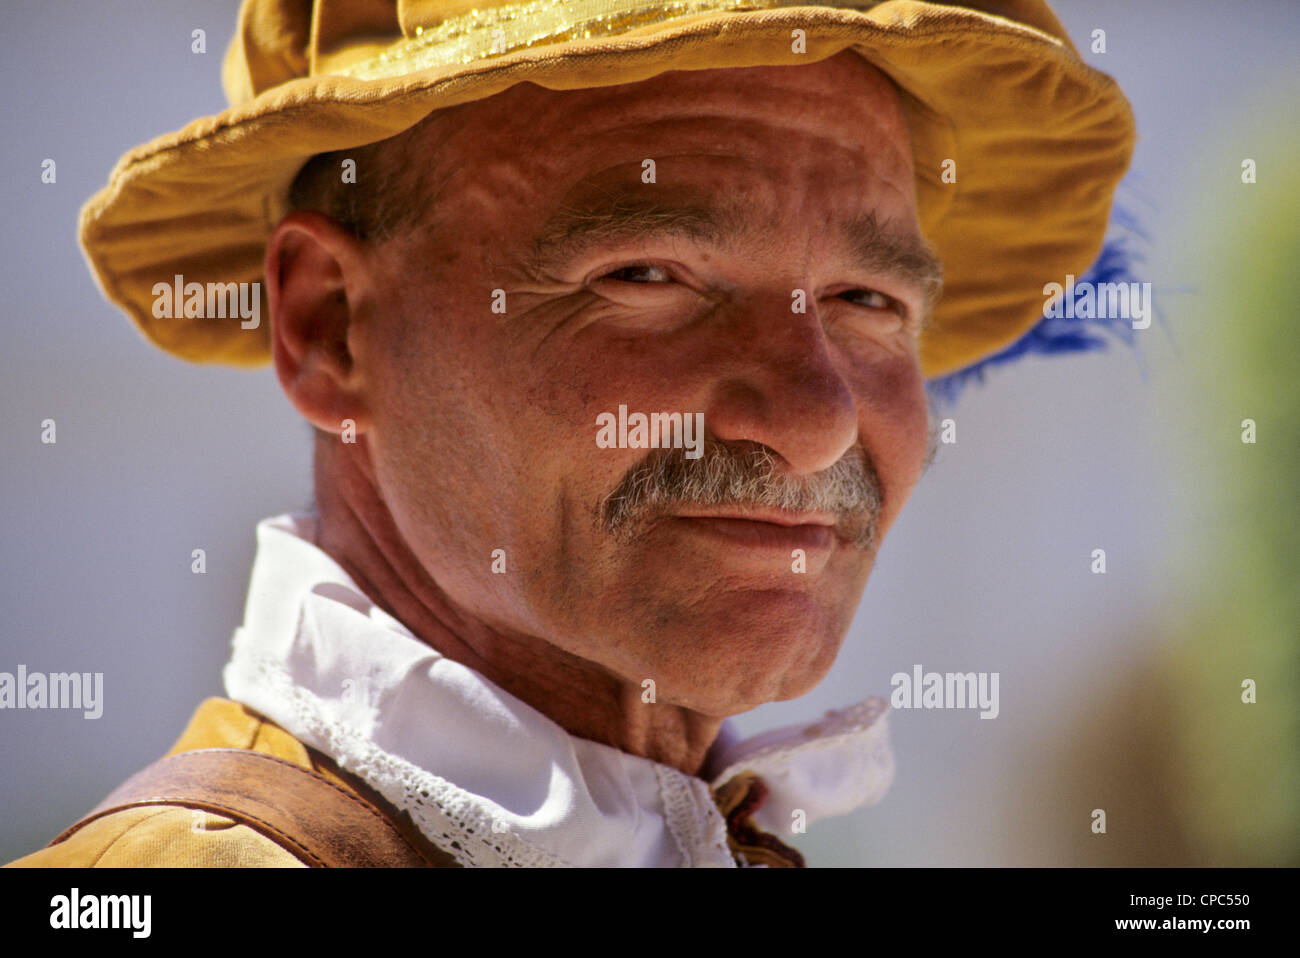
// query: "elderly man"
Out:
[615,336]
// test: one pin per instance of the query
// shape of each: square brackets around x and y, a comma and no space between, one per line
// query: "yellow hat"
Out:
[1037,138]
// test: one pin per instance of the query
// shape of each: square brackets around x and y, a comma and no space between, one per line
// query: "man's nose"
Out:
[781,386]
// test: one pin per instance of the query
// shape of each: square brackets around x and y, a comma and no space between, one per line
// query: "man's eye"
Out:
[640,273]
[871,299]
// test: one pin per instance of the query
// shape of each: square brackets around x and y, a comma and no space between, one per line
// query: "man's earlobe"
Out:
[315,275]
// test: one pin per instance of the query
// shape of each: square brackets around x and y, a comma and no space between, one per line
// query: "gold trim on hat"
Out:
[498,31]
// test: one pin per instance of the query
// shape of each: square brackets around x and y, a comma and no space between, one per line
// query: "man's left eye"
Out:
[871,299]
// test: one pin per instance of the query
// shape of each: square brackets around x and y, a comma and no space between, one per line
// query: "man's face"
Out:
[485,422]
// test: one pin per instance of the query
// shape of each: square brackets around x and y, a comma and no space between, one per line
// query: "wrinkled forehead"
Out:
[841,102]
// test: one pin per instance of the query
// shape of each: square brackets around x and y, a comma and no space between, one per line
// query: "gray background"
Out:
[987,570]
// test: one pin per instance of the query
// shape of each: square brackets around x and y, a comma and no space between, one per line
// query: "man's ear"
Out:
[315,277]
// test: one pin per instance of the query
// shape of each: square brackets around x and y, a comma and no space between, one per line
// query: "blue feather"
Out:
[1120,257]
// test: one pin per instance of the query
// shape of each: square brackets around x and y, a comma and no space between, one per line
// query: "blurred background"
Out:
[1120,691]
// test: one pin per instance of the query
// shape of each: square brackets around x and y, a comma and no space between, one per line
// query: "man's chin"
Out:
[740,686]
[759,646]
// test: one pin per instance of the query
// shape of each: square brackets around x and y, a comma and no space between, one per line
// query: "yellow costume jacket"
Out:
[173,836]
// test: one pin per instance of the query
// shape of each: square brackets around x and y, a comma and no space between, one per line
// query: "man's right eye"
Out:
[638,273]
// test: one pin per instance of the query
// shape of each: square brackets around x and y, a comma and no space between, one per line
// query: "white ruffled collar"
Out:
[483,774]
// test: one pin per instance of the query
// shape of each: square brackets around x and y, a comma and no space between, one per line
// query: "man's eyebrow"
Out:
[571,232]
[881,249]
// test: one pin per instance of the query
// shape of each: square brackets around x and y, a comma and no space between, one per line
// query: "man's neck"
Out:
[358,531]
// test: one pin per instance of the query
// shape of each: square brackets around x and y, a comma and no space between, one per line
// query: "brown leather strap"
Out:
[318,821]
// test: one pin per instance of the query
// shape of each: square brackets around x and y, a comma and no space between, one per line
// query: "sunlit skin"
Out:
[475,430]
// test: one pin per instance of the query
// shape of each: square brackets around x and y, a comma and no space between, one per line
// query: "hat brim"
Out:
[1039,139]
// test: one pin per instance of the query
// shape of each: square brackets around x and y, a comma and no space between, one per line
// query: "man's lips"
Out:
[763,528]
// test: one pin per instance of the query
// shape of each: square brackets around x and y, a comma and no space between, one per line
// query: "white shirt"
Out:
[481,770]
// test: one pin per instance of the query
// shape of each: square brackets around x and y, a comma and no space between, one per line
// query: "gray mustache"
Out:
[741,475]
